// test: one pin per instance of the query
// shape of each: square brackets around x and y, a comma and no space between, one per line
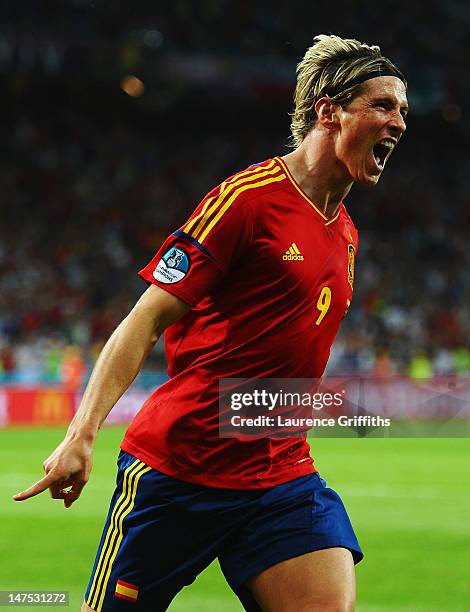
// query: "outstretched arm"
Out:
[68,467]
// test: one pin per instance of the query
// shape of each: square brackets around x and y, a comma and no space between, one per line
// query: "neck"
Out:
[316,169]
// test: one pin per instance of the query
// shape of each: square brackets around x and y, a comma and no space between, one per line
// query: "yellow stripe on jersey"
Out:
[226,206]
[240,175]
[223,186]
[292,251]
[335,217]
[296,248]
[243,177]
[124,499]
[119,532]
[302,193]
[191,222]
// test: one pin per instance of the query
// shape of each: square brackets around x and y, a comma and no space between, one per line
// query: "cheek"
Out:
[353,149]
[358,144]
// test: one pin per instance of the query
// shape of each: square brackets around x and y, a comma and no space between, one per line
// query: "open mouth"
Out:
[381,152]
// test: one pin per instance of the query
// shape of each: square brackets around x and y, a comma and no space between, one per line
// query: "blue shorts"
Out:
[160,533]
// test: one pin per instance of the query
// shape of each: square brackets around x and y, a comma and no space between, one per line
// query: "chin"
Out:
[369,179]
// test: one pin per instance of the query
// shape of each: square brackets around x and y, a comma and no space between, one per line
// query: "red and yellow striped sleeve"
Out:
[197,255]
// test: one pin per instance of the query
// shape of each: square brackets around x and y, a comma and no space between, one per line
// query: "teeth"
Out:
[387,143]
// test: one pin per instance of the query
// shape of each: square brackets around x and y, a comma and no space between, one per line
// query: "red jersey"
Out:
[269,278]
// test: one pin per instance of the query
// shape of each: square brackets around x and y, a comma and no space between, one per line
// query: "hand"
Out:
[67,471]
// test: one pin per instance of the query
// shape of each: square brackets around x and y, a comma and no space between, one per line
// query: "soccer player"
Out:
[253,285]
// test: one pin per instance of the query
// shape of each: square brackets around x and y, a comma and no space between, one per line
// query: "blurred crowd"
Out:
[234,26]
[90,190]
[86,205]
[431,43]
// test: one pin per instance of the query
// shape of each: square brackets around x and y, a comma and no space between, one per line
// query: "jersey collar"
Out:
[327,220]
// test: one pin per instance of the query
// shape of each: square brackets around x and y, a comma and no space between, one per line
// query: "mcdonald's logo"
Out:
[51,407]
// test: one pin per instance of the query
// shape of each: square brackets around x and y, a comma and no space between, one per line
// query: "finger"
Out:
[36,488]
[74,492]
[60,488]
[58,492]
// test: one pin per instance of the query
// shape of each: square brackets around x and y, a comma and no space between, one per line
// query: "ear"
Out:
[327,113]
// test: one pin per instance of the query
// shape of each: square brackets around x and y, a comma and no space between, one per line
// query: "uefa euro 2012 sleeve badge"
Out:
[173,266]
[351,253]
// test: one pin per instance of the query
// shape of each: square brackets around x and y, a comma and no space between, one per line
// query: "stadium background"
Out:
[95,172]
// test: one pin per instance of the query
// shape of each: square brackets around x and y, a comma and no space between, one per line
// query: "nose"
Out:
[397,123]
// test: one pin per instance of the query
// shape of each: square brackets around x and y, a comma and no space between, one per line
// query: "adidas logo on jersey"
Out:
[293,254]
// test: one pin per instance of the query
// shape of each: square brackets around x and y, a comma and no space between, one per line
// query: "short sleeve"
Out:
[193,259]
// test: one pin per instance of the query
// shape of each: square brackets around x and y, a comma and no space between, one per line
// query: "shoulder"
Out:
[253,181]
[228,205]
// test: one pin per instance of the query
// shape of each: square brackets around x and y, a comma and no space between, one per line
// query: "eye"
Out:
[383,104]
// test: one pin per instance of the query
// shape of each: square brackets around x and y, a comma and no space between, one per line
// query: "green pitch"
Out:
[409,501]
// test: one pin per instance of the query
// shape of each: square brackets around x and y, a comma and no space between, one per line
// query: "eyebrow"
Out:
[403,107]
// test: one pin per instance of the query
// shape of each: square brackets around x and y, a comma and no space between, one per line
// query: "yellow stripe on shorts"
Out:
[119,533]
[119,506]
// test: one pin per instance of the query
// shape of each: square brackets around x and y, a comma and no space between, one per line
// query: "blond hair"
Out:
[332,67]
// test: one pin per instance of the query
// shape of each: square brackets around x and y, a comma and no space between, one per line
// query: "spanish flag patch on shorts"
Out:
[125,590]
